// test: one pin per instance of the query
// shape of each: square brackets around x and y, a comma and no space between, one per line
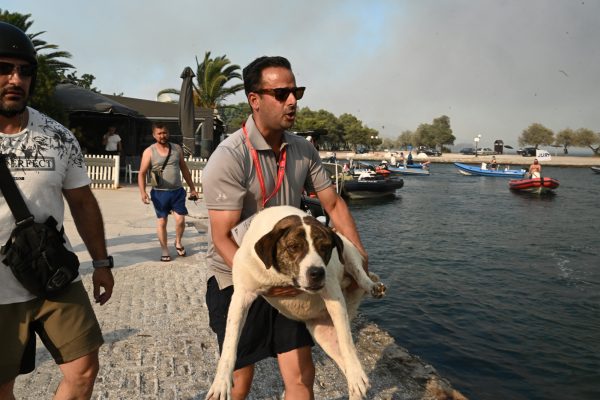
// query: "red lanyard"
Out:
[259,174]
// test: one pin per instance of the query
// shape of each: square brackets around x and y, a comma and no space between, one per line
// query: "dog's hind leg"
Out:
[358,383]
[241,301]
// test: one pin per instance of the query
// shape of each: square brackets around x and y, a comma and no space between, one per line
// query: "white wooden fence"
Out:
[105,171]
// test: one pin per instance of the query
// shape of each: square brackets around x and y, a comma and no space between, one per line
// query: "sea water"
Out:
[499,291]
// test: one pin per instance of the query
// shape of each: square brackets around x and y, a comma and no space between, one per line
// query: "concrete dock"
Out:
[158,342]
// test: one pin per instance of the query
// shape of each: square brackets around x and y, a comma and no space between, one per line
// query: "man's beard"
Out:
[16,108]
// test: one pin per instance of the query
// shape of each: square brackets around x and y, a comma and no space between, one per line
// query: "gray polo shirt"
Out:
[229,181]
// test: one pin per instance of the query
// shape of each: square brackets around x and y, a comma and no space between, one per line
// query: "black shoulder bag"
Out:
[156,174]
[35,252]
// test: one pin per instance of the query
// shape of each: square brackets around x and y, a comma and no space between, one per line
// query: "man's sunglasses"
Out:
[281,94]
[25,70]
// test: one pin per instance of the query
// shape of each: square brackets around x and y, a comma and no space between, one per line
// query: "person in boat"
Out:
[401,160]
[493,164]
[409,159]
[535,169]
[382,165]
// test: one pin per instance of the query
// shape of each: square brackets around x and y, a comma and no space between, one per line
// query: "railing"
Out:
[195,165]
[104,171]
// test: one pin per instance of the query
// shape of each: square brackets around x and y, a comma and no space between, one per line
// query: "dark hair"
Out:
[253,72]
[159,125]
[15,43]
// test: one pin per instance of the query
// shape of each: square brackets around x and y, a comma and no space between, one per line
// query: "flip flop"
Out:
[165,258]
[180,251]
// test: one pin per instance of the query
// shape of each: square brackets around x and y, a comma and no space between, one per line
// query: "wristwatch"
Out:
[106,263]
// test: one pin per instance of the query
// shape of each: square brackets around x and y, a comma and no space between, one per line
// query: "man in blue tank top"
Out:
[167,194]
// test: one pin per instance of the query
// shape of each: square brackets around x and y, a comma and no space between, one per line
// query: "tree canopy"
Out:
[565,138]
[587,138]
[535,135]
[212,74]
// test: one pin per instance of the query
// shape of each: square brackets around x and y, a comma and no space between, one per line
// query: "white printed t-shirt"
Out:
[44,159]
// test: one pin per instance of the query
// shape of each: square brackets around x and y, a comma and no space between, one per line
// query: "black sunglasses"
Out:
[281,94]
[25,70]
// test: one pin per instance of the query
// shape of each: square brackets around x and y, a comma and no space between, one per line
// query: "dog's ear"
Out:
[266,246]
[339,245]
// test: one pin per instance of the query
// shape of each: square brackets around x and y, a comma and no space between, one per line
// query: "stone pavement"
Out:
[158,342]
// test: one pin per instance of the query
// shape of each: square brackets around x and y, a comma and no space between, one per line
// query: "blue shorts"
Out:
[166,201]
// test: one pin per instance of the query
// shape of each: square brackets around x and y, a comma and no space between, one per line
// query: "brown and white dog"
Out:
[284,246]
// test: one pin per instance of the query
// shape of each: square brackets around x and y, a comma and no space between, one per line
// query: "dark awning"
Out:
[77,99]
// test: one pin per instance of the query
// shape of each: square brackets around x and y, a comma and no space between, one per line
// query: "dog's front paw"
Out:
[358,384]
[378,290]
[219,390]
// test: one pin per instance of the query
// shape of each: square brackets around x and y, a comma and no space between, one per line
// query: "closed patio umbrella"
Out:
[186,110]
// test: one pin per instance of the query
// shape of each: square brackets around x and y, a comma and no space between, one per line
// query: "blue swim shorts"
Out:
[166,201]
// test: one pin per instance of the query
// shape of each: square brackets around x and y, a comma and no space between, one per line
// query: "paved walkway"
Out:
[158,343]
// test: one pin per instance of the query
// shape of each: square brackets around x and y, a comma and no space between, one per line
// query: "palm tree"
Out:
[51,60]
[212,75]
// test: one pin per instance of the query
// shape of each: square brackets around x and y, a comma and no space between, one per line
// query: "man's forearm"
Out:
[90,226]
[226,247]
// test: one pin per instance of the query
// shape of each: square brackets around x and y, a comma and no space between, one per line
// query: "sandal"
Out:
[180,251]
[165,258]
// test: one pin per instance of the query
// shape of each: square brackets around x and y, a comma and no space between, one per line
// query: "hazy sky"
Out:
[494,67]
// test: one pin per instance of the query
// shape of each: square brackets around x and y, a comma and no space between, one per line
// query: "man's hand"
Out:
[102,278]
[145,198]
[283,291]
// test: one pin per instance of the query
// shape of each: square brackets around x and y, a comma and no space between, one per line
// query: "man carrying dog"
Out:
[46,162]
[263,165]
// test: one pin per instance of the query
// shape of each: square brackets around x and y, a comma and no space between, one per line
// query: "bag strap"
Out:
[166,159]
[11,193]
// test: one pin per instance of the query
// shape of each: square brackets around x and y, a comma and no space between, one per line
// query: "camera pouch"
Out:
[155,177]
[37,257]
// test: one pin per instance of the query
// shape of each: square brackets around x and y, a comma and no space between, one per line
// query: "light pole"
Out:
[476,139]
[372,140]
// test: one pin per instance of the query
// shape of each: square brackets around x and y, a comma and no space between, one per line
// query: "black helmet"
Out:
[16,44]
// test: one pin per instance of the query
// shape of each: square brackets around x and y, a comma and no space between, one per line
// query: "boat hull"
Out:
[408,171]
[357,189]
[595,169]
[534,185]
[466,169]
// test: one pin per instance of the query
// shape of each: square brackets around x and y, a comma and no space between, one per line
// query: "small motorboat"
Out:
[370,185]
[536,184]
[407,170]
[596,169]
[483,170]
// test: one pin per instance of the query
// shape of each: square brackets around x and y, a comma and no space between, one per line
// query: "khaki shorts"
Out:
[66,325]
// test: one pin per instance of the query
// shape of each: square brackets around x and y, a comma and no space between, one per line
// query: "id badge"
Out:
[240,230]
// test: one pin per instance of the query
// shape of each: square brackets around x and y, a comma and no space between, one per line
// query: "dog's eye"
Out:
[293,247]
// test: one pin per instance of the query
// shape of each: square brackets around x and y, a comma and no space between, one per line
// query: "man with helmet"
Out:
[47,164]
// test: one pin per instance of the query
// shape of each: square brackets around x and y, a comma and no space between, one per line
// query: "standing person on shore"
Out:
[168,195]
[112,142]
[234,191]
[535,169]
[46,163]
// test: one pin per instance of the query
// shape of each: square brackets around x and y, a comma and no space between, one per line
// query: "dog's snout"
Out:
[316,274]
